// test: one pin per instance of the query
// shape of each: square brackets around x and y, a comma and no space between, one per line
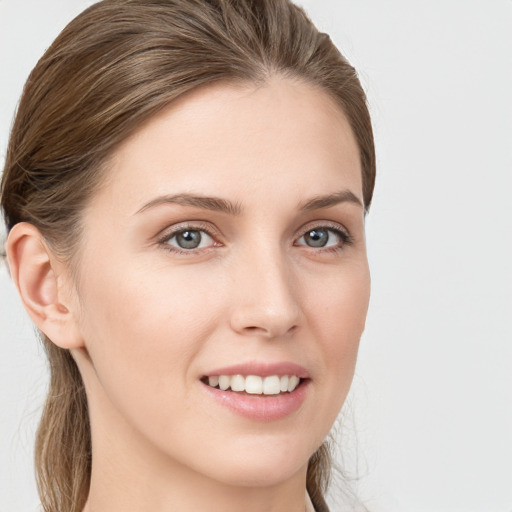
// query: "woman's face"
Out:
[228,240]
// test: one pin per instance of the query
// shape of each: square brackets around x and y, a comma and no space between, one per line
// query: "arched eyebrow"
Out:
[343,196]
[224,206]
[208,203]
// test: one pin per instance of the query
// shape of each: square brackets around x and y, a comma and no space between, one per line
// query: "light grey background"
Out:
[429,422]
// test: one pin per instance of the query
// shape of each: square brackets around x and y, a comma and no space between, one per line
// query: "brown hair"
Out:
[111,68]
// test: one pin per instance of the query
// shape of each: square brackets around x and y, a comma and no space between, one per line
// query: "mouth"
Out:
[270,385]
[259,391]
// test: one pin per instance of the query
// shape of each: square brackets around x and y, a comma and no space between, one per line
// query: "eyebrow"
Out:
[343,196]
[208,203]
[224,206]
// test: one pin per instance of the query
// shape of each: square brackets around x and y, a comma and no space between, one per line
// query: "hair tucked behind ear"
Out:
[111,68]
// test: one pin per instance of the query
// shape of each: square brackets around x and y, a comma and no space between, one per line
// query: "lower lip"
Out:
[260,407]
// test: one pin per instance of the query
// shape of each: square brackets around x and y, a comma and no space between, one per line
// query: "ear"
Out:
[40,280]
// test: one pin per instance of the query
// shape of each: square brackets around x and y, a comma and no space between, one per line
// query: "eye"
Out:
[324,237]
[189,239]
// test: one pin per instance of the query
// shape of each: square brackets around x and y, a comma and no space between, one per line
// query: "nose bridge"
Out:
[266,301]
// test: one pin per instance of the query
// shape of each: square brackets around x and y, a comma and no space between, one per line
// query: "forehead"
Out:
[238,139]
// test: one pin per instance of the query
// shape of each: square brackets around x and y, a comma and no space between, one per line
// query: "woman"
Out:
[185,190]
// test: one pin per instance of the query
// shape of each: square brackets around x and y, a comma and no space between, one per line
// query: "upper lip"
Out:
[263,369]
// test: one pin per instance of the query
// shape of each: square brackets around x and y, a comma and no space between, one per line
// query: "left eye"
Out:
[321,237]
[188,239]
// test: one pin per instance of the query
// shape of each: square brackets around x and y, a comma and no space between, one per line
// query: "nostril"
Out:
[255,329]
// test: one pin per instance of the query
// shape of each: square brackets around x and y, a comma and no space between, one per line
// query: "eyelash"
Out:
[167,236]
[344,235]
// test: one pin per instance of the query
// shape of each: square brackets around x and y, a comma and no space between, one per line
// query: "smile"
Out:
[259,391]
[254,384]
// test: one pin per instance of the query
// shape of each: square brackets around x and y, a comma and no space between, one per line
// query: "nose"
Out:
[265,298]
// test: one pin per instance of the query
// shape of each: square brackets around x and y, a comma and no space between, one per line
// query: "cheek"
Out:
[339,306]
[143,328]
[144,305]
[338,316]
[346,316]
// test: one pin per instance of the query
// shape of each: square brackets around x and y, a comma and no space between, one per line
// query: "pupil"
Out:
[316,237]
[188,239]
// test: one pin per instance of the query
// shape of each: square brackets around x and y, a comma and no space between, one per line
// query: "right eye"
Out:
[189,239]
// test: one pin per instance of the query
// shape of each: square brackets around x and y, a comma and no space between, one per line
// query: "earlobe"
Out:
[36,273]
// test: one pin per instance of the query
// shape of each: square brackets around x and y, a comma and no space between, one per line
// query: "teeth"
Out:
[272,385]
[293,382]
[254,384]
[224,382]
[237,383]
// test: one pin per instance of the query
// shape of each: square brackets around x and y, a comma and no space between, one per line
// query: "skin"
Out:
[145,322]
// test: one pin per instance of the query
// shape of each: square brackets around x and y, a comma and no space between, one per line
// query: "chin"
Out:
[263,463]
[267,475]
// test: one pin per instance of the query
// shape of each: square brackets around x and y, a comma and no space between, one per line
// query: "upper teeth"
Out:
[254,384]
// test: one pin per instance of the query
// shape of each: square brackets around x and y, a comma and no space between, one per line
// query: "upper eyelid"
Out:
[173,230]
[336,226]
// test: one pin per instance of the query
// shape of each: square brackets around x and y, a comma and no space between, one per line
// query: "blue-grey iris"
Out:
[316,237]
[188,239]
